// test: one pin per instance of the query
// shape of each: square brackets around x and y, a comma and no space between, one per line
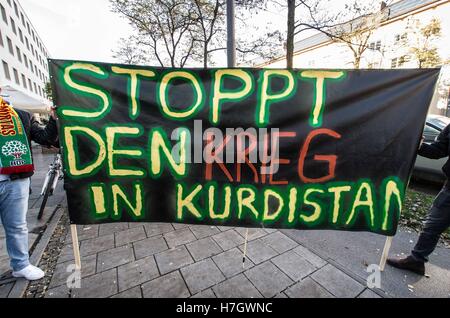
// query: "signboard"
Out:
[299,149]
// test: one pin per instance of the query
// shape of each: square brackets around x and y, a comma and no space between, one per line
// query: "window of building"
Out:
[403,60]
[378,45]
[20,35]
[19,54]
[30,87]
[27,43]
[394,63]
[13,26]
[9,2]
[31,66]
[28,28]
[35,68]
[24,81]
[6,70]
[16,9]
[25,60]
[1,39]
[35,89]
[22,18]
[4,16]
[401,37]
[16,76]
[10,46]
[399,62]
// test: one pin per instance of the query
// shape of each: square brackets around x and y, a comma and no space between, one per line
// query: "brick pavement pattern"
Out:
[130,260]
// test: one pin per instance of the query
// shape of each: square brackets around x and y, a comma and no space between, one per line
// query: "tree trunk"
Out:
[290,34]
[357,62]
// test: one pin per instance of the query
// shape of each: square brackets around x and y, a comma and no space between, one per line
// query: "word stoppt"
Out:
[218,95]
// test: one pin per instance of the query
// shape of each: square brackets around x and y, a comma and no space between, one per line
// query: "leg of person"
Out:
[13,211]
[438,220]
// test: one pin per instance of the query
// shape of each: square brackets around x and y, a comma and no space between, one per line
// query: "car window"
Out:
[430,133]
[430,130]
[440,122]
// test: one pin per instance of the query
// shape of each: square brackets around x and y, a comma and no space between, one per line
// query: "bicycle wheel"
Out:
[47,192]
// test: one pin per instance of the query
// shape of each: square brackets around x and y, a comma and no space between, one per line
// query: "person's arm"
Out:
[437,149]
[44,135]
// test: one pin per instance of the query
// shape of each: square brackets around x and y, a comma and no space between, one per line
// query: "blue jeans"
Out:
[437,221]
[13,215]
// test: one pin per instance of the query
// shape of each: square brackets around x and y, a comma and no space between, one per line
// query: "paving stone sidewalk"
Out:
[177,260]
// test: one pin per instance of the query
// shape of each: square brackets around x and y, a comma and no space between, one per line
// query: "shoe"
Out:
[30,273]
[409,263]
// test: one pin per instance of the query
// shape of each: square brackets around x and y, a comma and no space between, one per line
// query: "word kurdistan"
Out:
[310,205]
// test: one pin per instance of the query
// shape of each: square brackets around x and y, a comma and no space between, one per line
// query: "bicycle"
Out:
[54,174]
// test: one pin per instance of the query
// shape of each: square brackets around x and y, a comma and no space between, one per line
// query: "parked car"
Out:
[431,169]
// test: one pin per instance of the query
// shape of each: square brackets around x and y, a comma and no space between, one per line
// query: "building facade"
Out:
[390,45]
[23,59]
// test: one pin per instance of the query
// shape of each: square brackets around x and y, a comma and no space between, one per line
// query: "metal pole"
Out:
[231,44]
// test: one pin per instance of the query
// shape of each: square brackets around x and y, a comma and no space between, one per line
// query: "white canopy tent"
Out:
[23,101]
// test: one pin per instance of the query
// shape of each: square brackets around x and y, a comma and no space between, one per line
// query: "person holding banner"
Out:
[17,129]
[438,219]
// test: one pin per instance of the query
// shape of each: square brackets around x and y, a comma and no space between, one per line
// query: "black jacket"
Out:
[46,136]
[440,148]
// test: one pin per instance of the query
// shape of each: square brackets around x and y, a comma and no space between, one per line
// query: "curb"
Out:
[21,284]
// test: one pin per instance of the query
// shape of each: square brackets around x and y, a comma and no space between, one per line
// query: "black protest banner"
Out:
[301,149]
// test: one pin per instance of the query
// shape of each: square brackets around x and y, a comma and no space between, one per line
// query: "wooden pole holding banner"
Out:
[76,246]
[384,256]
[245,249]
